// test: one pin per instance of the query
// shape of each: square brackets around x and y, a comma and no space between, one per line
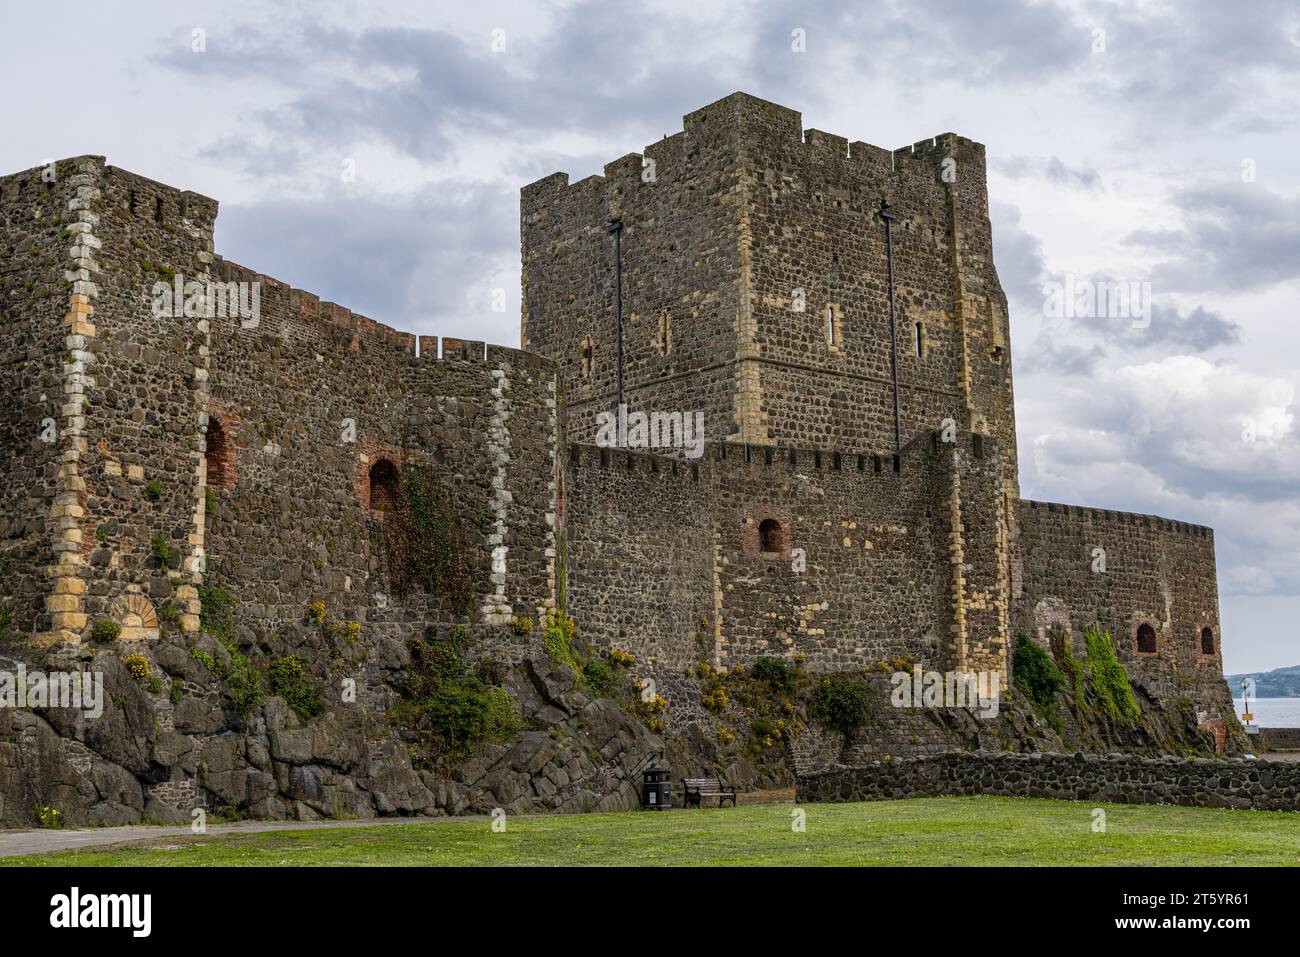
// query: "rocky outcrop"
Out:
[149,758]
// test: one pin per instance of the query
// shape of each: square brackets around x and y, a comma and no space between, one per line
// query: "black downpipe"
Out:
[616,227]
[888,217]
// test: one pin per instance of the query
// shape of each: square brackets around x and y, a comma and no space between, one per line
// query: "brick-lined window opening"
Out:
[1146,639]
[1207,640]
[587,356]
[771,537]
[383,486]
[220,456]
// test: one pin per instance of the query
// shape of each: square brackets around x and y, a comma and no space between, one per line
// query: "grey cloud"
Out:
[1200,63]
[421,263]
[1045,355]
[1234,237]
[1018,256]
[595,69]
[1051,168]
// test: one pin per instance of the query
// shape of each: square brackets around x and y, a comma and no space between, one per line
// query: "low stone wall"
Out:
[1201,782]
[1278,739]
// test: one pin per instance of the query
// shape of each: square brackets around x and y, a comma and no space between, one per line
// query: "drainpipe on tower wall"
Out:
[616,227]
[888,217]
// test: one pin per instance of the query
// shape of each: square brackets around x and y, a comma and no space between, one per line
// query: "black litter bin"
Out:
[656,790]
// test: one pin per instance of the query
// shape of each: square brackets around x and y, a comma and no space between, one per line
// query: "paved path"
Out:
[15,843]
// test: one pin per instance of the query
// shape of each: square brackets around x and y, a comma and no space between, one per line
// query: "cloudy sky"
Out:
[1134,142]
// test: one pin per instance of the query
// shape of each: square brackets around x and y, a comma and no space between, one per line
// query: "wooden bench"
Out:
[695,789]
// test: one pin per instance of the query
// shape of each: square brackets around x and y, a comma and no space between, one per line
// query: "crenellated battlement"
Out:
[1105,515]
[754,127]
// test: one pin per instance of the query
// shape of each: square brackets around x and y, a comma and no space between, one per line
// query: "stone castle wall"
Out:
[665,558]
[1120,778]
[306,398]
[1157,572]
[34,300]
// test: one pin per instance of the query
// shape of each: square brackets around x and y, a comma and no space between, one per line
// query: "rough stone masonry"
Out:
[149,455]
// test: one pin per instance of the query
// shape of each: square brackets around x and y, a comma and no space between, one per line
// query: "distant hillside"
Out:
[1278,683]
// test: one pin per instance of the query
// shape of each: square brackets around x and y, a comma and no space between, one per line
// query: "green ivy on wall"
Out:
[424,548]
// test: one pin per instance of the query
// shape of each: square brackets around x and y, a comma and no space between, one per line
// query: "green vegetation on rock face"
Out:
[216,618]
[1107,678]
[559,639]
[601,679]
[289,680]
[216,610]
[842,703]
[1036,675]
[929,832]
[781,676]
[106,629]
[450,710]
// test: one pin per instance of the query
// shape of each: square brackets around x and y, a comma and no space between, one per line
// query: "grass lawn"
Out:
[932,831]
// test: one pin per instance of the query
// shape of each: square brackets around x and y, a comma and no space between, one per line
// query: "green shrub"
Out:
[1108,678]
[160,548]
[558,640]
[776,673]
[842,703]
[289,680]
[601,679]
[216,610]
[503,718]
[177,690]
[449,710]
[243,682]
[154,490]
[1035,673]
[106,629]
[205,659]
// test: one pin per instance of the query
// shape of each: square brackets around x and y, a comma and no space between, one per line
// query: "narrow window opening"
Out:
[587,355]
[832,328]
[1207,640]
[219,456]
[769,535]
[383,486]
[158,210]
[1146,639]
[130,203]
[665,342]
[919,344]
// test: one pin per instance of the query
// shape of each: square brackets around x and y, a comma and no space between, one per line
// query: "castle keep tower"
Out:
[755,285]
[755,274]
